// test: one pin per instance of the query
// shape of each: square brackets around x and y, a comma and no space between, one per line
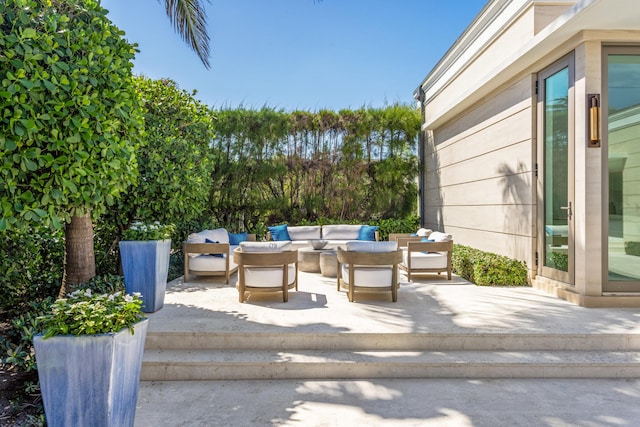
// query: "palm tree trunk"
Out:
[80,260]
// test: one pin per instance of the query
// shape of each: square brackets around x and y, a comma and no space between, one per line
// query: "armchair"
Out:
[266,267]
[369,267]
[432,256]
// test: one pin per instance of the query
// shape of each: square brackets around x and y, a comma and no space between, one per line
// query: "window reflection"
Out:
[624,167]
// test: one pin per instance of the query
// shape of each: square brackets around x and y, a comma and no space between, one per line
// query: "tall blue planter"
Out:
[91,380]
[146,265]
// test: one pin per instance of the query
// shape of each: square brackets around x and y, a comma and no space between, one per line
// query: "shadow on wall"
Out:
[516,194]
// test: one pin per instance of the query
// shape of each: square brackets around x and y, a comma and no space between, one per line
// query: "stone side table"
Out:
[329,263]
[309,260]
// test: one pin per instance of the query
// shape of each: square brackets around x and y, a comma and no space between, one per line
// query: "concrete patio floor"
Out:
[429,305]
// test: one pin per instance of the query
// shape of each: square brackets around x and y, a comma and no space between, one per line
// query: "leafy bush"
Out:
[488,269]
[632,248]
[16,348]
[30,268]
[558,260]
[176,265]
[386,226]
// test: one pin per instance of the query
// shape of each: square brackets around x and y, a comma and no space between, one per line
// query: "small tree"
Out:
[70,120]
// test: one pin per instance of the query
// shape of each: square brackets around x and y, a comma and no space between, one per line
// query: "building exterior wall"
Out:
[480,174]
[481,151]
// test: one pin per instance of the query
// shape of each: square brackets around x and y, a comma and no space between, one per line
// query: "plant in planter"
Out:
[89,358]
[145,251]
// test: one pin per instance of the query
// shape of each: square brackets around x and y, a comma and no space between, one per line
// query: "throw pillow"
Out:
[236,238]
[424,239]
[215,255]
[279,232]
[368,232]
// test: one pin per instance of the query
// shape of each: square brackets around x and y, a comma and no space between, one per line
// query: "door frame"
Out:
[607,285]
[568,277]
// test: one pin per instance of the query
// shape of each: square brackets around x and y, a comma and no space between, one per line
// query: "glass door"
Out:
[555,251]
[622,124]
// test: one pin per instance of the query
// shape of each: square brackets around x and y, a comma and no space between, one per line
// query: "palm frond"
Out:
[189,19]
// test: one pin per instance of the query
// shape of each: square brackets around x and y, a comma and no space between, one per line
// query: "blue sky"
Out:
[300,54]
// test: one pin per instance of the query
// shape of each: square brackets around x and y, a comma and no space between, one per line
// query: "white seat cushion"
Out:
[280,246]
[366,246]
[425,260]
[373,276]
[267,277]
[209,263]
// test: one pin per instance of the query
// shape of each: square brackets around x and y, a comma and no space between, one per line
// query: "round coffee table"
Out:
[329,263]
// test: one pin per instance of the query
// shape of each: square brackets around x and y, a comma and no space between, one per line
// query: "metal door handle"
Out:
[568,209]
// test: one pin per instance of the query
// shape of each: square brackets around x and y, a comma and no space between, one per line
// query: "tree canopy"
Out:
[70,118]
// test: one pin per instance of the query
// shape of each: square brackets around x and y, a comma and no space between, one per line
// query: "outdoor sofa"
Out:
[334,234]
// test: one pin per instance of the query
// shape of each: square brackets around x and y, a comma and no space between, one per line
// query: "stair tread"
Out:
[406,357]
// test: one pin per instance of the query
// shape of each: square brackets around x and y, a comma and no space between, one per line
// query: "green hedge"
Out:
[488,269]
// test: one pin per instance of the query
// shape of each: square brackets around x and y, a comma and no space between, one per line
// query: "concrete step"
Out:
[393,341]
[182,365]
[244,356]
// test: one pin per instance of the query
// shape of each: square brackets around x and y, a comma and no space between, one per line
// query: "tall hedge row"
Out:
[351,165]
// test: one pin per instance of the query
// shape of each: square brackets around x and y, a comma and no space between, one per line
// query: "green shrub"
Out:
[488,269]
[30,268]
[462,261]
[176,265]
[558,260]
[632,248]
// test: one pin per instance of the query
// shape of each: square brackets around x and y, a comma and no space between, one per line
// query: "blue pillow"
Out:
[368,232]
[215,255]
[236,238]
[279,232]
[424,239]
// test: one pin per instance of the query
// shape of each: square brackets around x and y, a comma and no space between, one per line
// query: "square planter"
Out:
[146,266]
[91,380]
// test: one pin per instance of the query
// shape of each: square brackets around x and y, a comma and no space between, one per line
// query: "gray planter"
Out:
[91,380]
[145,265]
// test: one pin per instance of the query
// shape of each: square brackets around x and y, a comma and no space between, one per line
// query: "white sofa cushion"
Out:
[425,260]
[340,232]
[437,236]
[267,277]
[219,235]
[211,236]
[424,232]
[366,246]
[305,232]
[280,246]
[374,276]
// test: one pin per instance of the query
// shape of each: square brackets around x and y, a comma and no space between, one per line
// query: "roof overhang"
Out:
[488,26]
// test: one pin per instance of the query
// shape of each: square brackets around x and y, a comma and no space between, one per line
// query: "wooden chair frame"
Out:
[355,259]
[266,259]
[209,248]
[413,246]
